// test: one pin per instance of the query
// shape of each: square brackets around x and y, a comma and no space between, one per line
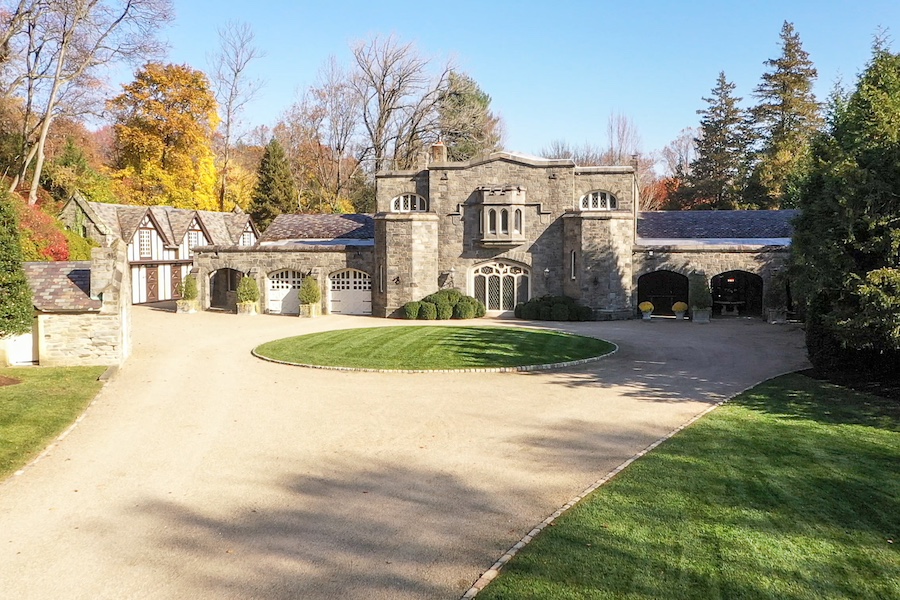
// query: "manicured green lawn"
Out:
[791,491]
[418,347]
[35,411]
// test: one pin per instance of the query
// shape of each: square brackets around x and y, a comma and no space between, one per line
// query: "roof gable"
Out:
[320,227]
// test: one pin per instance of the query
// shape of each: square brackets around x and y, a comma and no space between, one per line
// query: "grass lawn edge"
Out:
[491,573]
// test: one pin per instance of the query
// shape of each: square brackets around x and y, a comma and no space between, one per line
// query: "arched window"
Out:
[598,200]
[517,222]
[409,203]
[504,221]
[492,221]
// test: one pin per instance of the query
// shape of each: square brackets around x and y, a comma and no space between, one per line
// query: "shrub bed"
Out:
[553,308]
[443,305]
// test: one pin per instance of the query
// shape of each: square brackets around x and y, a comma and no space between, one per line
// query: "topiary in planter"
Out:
[699,294]
[309,291]
[247,290]
[427,311]
[411,309]
[187,289]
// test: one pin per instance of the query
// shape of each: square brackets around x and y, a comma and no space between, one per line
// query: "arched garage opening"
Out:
[282,289]
[223,288]
[737,293]
[350,292]
[662,289]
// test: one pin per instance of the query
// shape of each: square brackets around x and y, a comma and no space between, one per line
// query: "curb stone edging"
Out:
[523,368]
[494,570]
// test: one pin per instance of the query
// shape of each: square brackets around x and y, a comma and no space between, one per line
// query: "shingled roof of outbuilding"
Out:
[224,229]
[716,224]
[320,227]
[61,286]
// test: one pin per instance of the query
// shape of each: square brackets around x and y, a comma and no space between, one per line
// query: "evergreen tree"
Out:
[718,172]
[467,126]
[275,192]
[847,240]
[785,120]
[16,306]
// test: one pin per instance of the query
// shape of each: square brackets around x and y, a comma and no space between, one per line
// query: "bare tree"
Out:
[398,98]
[234,88]
[13,17]
[585,155]
[61,46]
[623,140]
[681,152]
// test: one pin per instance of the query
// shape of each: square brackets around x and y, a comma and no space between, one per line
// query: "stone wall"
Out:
[260,261]
[406,260]
[93,338]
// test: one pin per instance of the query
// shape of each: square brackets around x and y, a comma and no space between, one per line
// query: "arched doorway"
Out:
[282,292]
[662,289]
[350,292]
[501,285]
[737,293]
[223,288]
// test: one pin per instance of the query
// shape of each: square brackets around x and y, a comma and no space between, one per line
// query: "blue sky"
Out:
[555,70]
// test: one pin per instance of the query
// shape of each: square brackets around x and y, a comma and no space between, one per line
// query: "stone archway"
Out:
[663,289]
[223,288]
[737,293]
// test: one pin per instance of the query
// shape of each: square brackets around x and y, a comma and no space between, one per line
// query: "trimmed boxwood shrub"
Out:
[427,311]
[554,308]
[480,309]
[465,308]
[444,311]
[559,312]
[411,309]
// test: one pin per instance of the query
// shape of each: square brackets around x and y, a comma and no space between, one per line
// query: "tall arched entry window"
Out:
[501,285]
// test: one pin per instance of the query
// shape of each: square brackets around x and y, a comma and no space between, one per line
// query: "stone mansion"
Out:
[503,228]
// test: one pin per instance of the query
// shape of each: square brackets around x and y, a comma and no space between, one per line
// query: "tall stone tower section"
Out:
[406,242]
[598,240]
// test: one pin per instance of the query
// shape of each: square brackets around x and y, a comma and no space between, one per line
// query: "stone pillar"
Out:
[406,260]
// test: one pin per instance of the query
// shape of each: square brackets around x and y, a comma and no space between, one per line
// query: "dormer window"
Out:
[409,203]
[599,200]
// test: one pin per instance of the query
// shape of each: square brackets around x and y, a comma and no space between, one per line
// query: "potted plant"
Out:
[776,299]
[646,309]
[679,308]
[700,297]
[247,296]
[189,293]
[310,298]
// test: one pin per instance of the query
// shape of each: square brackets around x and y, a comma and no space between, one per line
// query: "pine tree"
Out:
[275,191]
[785,120]
[16,307]
[846,245]
[717,174]
[467,126]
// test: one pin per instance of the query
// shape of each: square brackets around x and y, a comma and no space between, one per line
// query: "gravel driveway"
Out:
[202,472]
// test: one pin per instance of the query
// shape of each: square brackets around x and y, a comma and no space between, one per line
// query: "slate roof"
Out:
[224,229]
[61,286]
[320,227]
[716,224]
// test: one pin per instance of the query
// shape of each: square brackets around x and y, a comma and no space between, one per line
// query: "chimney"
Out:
[438,152]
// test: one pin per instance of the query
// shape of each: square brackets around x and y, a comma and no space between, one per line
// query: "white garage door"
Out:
[350,292]
[283,288]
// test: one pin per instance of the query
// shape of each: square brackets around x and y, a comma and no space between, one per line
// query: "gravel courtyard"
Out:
[202,472]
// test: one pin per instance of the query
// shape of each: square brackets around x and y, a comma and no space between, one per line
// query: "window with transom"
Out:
[409,203]
[599,200]
[501,285]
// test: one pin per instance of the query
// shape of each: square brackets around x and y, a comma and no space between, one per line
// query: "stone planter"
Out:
[246,308]
[679,314]
[776,316]
[701,315]
[310,310]
[645,315]
[187,306]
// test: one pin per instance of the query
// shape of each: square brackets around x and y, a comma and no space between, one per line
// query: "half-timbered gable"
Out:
[160,239]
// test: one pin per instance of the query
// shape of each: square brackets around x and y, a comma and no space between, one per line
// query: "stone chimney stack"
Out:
[438,152]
